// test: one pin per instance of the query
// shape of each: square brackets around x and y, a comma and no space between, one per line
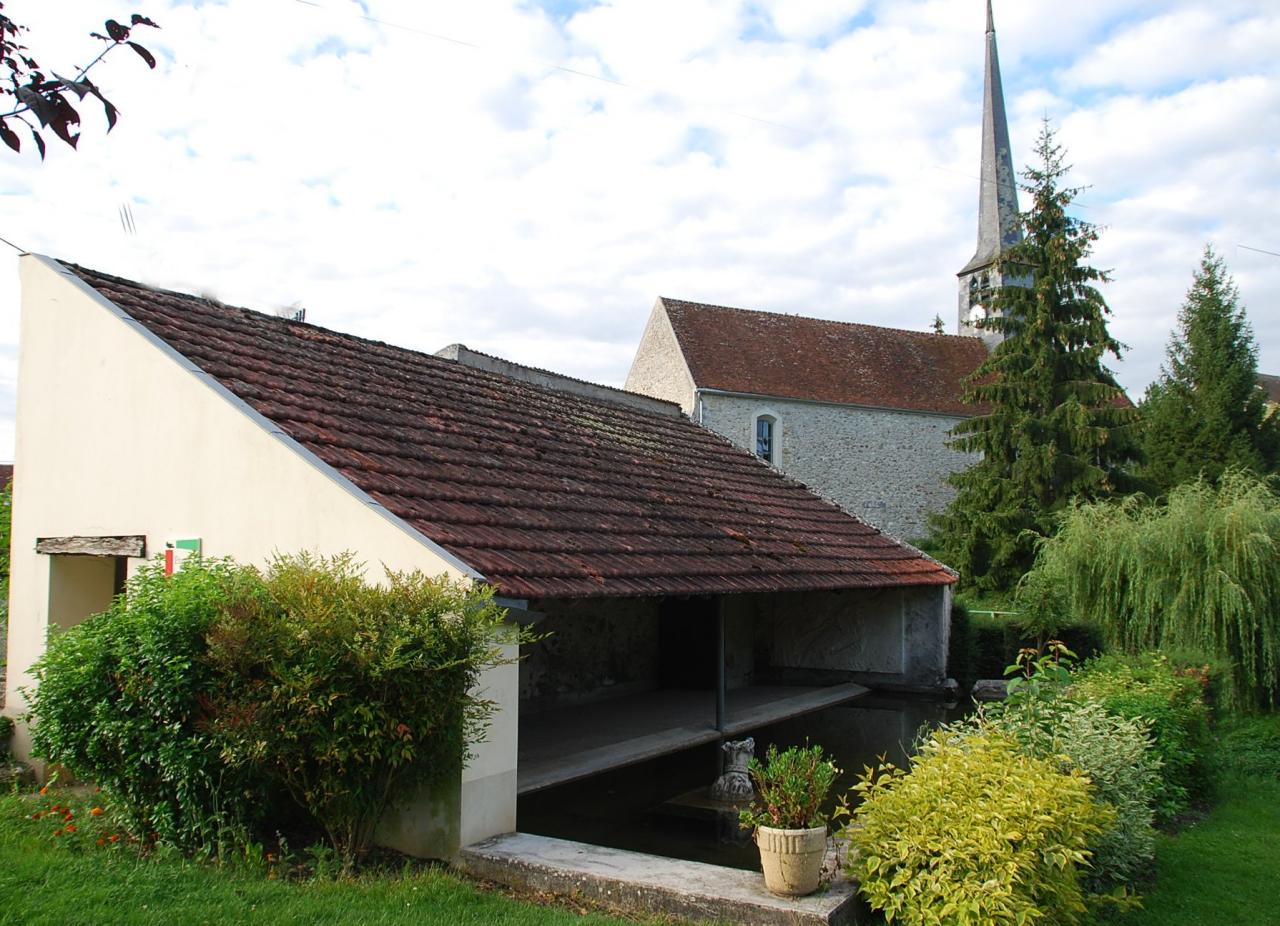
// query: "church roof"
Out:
[547,493]
[1271,385]
[765,353]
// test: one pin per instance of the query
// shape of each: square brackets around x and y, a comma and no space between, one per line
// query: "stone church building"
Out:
[859,413]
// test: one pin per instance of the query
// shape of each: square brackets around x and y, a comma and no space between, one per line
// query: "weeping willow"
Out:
[1200,571]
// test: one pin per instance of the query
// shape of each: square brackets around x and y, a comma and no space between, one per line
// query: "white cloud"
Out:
[410,188]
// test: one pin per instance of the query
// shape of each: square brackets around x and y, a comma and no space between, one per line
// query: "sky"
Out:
[528,177]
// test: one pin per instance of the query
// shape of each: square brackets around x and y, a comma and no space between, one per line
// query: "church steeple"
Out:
[998,226]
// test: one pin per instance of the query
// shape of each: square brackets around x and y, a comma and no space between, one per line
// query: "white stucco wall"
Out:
[659,368]
[115,436]
[887,467]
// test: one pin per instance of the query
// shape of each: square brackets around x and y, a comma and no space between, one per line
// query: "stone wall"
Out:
[887,467]
[659,368]
[887,638]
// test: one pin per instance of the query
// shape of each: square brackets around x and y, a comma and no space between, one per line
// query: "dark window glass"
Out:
[764,439]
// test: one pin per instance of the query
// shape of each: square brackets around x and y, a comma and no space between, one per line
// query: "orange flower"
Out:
[101,841]
[44,790]
[37,815]
[96,811]
[71,827]
[57,832]
[115,838]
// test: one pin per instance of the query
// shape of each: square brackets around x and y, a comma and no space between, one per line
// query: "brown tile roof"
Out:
[1271,385]
[546,493]
[764,353]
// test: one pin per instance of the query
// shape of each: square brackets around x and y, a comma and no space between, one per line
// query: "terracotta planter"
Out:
[792,859]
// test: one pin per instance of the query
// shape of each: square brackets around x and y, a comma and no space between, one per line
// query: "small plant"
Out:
[6,734]
[791,787]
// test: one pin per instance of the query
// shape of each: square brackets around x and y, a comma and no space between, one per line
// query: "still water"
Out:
[659,807]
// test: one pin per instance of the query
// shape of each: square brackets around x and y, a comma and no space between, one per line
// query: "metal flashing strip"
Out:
[261,420]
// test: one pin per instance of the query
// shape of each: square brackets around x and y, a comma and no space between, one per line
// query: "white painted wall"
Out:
[115,436]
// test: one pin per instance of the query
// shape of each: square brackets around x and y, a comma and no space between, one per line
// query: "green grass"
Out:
[43,884]
[1223,870]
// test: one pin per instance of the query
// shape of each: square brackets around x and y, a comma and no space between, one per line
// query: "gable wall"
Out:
[887,467]
[115,437]
[659,368]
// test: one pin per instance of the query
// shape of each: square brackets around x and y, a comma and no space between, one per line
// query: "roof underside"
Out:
[548,494]
[764,353]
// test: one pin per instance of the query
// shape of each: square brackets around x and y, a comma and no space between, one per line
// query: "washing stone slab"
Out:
[639,883]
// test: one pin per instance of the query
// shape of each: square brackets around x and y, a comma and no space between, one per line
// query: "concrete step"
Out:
[639,883]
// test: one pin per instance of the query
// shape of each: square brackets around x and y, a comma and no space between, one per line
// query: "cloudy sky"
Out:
[526,177]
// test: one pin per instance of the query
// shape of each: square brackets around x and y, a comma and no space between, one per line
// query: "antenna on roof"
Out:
[294,312]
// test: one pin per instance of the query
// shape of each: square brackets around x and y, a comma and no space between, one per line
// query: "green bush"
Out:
[204,700]
[983,645]
[1151,689]
[123,699]
[976,833]
[1116,755]
[349,694]
[1250,746]
[1201,571]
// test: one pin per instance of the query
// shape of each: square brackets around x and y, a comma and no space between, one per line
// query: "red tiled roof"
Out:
[764,353]
[546,493]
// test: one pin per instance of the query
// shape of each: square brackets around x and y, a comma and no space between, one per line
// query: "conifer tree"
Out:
[1205,412]
[1053,424]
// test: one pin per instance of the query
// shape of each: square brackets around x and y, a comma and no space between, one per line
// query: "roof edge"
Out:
[897,409]
[547,379]
[274,430]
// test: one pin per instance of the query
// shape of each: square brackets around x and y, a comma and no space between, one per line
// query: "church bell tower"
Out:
[998,227]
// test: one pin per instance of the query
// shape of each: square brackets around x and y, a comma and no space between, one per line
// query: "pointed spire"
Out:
[998,191]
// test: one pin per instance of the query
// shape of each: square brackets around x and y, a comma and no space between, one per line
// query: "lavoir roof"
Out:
[544,492]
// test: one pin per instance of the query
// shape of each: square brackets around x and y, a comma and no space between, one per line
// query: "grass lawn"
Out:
[42,884]
[1224,869]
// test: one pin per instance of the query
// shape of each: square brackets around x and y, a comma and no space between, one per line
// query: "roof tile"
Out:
[547,493]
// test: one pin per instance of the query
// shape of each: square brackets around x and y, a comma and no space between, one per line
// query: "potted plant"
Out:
[791,828]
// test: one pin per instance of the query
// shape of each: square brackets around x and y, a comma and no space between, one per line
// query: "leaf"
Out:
[117,32]
[138,20]
[78,88]
[36,103]
[39,142]
[146,55]
[10,137]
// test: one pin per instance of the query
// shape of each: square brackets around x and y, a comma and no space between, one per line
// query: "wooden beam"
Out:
[125,545]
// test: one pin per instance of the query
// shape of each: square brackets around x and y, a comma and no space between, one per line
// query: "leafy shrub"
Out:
[977,832]
[1116,755]
[1250,746]
[1149,688]
[791,787]
[122,699]
[6,733]
[1201,571]
[349,694]
[993,642]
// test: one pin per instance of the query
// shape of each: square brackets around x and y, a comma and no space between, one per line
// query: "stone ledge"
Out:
[638,883]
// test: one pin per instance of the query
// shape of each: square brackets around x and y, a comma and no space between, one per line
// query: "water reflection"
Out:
[661,807]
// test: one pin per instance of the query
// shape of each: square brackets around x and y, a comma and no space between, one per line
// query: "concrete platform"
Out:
[637,883]
[572,743]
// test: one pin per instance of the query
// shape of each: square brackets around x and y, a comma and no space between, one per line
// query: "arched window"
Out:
[766,438]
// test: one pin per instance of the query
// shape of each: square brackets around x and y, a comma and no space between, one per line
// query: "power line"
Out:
[14,246]
[1258,250]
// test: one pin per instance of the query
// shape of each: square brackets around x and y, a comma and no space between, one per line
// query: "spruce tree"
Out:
[1053,424]
[1205,412]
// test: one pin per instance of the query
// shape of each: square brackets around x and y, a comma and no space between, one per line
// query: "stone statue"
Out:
[734,786]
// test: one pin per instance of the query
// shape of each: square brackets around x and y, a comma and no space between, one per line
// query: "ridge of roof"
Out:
[546,493]
[538,376]
[824,321]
